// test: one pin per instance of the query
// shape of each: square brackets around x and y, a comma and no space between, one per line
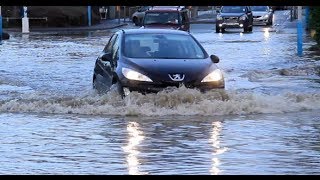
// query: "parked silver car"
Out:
[262,15]
[137,16]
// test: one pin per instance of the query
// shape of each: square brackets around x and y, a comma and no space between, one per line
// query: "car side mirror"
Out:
[106,56]
[214,59]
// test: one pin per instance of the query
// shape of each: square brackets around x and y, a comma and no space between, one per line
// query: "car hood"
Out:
[231,14]
[159,69]
[259,13]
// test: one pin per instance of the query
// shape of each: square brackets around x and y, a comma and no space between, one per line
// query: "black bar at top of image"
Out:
[155,2]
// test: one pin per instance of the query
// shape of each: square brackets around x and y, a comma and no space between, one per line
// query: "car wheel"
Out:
[135,21]
[217,29]
[245,29]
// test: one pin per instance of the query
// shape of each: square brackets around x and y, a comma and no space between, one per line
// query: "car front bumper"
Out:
[237,24]
[261,20]
[154,87]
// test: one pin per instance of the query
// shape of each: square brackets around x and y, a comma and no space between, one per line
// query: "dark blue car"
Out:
[149,60]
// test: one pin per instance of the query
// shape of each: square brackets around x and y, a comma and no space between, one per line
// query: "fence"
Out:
[34,21]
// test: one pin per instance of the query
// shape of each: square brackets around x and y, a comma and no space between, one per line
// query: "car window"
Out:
[259,8]
[115,48]
[108,47]
[144,8]
[162,18]
[162,46]
[233,9]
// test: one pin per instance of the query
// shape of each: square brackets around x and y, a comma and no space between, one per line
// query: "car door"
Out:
[105,63]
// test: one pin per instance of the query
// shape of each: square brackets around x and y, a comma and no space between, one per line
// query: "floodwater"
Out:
[52,122]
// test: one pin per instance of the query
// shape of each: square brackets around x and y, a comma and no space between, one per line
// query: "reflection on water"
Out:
[135,138]
[266,34]
[217,149]
[25,36]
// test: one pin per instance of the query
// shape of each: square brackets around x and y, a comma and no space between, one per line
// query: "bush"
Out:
[315,21]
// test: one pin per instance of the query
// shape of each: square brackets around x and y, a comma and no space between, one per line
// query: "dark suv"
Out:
[167,17]
[234,17]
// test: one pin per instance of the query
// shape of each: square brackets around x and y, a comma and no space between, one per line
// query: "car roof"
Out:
[166,9]
[151,31]
[162,10]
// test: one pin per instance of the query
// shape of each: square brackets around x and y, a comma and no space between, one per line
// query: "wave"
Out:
[178,101]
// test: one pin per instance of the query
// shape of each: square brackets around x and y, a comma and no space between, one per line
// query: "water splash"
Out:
[178,101]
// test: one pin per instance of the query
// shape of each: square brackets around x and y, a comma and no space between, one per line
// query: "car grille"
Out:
[231,19]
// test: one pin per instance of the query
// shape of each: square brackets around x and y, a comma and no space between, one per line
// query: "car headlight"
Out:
[243,17]
[219,17]
[215,75]
[266,16]
[134,75]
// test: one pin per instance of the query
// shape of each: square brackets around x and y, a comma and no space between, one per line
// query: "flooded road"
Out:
[52,122]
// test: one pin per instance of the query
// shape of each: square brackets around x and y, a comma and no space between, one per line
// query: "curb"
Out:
[67,29]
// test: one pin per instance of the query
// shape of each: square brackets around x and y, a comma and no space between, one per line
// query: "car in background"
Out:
[169,17]
[139,14]
[262,15]
[234,17]
[150,60]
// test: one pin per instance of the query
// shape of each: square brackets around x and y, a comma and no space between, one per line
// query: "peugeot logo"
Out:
[176,77]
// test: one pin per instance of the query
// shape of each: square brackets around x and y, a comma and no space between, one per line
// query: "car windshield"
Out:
[161,18]
[259,8]
[233,9]
[162,46]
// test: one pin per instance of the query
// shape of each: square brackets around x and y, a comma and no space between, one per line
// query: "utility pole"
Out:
[0,26]
[25,20]
[89,15]
[299,31]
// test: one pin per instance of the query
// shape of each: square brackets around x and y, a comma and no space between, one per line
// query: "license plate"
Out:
[232,23]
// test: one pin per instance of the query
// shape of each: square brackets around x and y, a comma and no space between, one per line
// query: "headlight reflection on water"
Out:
[266,34]
[217,150]
[135,138]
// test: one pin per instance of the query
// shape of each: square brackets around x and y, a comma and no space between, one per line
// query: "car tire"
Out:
[135,21]
[217,29]
[245,29]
